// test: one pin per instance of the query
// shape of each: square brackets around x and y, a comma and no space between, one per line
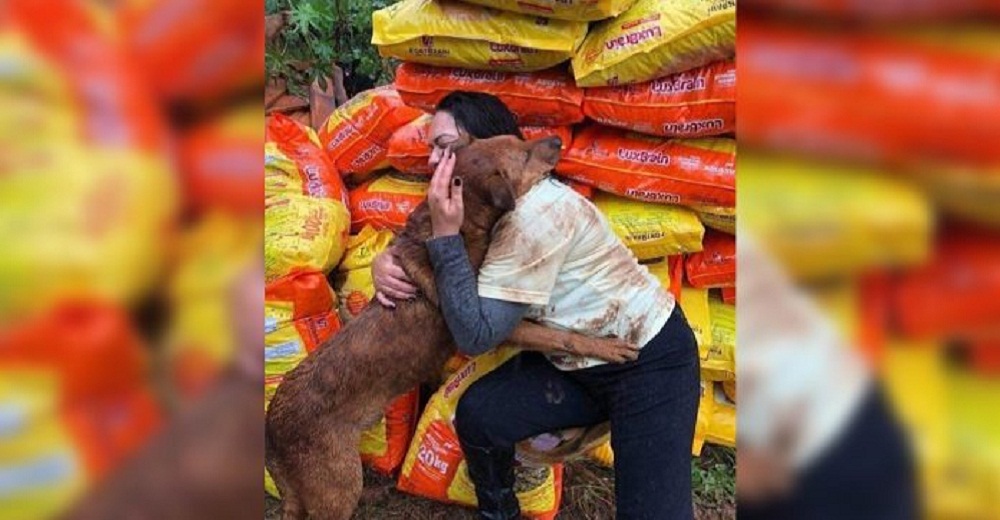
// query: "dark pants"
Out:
[867,474]
[652,404]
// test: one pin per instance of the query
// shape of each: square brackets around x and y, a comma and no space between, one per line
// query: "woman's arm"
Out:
[477,324]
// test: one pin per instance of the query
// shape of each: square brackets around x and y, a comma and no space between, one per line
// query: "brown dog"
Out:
[317,415]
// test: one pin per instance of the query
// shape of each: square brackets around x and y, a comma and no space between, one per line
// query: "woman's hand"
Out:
[444,197]
[390,281]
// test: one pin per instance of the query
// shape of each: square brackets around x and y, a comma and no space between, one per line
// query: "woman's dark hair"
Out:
[481,115]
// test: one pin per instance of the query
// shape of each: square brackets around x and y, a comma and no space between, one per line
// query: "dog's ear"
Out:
[541,157]
[545,150]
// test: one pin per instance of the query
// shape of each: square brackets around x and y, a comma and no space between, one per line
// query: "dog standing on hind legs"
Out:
[316,418]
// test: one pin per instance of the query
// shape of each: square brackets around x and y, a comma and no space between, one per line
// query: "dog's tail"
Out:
[269,445]
[270,454]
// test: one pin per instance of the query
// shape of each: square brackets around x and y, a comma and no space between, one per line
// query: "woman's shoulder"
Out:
[548,193]
[551,202]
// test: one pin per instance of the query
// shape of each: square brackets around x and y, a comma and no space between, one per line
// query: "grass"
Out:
[588,494]
[713,482]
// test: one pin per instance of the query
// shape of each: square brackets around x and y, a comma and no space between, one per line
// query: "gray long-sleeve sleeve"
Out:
[477,324]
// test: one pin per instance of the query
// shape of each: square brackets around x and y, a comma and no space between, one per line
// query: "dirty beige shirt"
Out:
[557,253]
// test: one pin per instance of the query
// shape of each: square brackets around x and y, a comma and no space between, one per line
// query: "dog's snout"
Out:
[555,142]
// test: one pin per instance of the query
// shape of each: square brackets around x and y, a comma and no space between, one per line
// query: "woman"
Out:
[565,269]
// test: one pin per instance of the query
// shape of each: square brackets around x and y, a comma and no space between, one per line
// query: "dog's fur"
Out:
[317,415]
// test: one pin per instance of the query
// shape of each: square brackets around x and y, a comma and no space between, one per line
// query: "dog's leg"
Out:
[330,478]
[532,336]
[291,508]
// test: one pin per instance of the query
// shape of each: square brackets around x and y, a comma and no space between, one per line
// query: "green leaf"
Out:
[323,32]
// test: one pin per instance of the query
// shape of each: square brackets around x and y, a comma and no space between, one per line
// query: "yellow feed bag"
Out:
[822,221]
[454,34]
[90,223]
[719,218]
[303,233]
[36,438]
[722,425]
[694,303]
[659,268]
[655,38]
[651,230]
[435,468]
[572,10]
[306,220]
[353,281]
[718,358]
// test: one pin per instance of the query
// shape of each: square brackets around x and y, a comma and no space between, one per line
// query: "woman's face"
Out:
[444,134]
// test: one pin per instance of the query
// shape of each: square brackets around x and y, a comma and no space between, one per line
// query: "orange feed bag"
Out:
[384,445]
[385,202]
[409,148]
[729,295]
[677,171]
[715,264]
[356,135]
[194,51]
[544,98]
[823,94]
[695,103]
[221,162]
[955,295]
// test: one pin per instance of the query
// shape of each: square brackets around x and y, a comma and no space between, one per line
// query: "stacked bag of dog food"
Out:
[306,225]
[642,93]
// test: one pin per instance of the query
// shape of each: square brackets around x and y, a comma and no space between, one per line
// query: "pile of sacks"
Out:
[641,92]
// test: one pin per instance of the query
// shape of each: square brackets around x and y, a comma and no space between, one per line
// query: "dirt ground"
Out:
[588,494]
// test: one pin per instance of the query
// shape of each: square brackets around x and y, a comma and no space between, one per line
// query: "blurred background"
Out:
[131,203]
[868,176]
